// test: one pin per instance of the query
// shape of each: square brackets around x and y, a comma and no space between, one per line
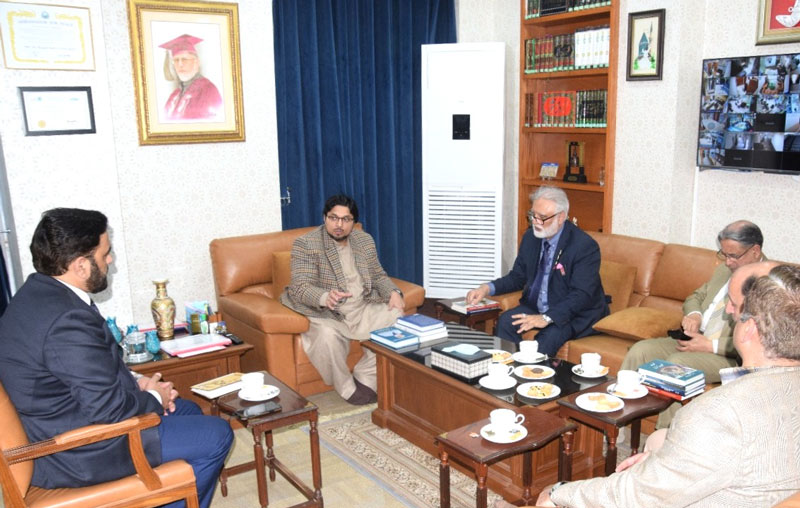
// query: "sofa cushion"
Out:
[638,323]
[617,282]
[281,271]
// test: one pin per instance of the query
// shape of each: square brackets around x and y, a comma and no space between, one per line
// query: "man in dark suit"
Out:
[557,268]
[63,369]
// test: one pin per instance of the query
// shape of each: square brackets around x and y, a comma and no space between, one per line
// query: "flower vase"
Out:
[163,308]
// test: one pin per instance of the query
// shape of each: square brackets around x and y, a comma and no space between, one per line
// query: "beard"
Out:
[546,231]
[98,281]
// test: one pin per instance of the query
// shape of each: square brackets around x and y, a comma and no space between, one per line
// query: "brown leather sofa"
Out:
[250,272]
[648,282]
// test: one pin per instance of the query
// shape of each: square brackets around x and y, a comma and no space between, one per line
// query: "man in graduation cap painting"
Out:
[195,98]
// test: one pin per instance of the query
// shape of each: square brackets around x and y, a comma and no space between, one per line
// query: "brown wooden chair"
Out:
[149,487]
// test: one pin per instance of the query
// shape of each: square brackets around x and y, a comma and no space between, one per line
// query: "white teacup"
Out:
[505,419]
[590,363]
[252,382]
[500,370]
[628,380]
[529,348]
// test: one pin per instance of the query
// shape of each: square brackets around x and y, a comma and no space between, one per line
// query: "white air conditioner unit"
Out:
[463,133]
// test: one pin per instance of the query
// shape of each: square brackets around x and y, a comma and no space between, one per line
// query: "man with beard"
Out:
[195,98]
[339,284]
[557,268]
[63,369]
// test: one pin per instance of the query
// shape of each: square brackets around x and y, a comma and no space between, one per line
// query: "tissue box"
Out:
[468,368]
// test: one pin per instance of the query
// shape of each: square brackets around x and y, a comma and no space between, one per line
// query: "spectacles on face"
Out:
[335,219]
[722,256]
[532,217]
[744,317]
[183,60]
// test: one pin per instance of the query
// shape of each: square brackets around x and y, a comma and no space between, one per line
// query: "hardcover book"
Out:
[673,373]
[219,386]
[394,337]
[419,322]
[481,306]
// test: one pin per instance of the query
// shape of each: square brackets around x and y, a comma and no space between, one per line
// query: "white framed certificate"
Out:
[55,110]
[41,36]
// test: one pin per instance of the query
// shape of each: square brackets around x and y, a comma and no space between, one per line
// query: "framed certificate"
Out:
[51,110]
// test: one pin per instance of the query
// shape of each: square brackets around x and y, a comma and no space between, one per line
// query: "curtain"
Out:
[347,76]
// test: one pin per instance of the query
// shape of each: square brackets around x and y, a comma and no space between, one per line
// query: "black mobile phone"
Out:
[236,340]
[258,410]
[678,334]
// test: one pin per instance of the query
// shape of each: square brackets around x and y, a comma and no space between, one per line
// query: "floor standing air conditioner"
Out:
[463,133]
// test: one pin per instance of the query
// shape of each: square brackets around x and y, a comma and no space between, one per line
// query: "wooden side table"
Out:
[488,317]
[609,423]
[467,447]
[294,409]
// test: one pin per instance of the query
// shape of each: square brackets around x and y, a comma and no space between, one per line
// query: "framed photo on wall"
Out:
[645,45]
[55,110]
[778,21]
[187,71]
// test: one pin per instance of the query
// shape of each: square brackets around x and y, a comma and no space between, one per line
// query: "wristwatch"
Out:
[547,318]
[555,486]
[399,293]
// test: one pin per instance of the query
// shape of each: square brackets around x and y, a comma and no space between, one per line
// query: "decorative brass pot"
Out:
[163,308]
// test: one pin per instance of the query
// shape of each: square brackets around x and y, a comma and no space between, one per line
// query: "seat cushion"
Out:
[637,323]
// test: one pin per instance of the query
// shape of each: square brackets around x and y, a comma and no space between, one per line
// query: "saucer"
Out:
[504,383]
[535,372]
[577,369]
[499,356]
[535,358]
[515,433]
[637,393]
[599,402]
[266,392]
[538,391]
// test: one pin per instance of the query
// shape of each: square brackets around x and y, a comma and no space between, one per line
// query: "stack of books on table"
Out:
[394,337]
[671,380]
[481,306]
[424,327]
[219,386]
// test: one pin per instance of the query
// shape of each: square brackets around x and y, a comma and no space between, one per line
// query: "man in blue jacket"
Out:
[557,268]
[63,369]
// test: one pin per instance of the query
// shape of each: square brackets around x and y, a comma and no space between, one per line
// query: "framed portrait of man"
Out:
[187,71]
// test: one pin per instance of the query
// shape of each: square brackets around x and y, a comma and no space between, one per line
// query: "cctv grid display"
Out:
[750,113]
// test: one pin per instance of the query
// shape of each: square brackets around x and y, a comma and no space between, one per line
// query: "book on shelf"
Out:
[218,386]
[673,373]
[419,323]
[194,344]
[394,337]
[481,306]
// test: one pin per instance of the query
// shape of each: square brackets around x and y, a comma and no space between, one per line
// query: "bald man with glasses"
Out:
[705,320]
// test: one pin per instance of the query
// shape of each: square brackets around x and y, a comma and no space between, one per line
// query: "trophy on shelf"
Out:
[574,172]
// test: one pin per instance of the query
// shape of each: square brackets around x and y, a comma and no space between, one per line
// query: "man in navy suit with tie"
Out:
[557,268]
[63,369]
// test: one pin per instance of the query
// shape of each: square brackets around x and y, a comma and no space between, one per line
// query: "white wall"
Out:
[164,203]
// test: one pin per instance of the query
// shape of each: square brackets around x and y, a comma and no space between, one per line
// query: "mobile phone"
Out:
[259,409]
[678,334]
[236,340]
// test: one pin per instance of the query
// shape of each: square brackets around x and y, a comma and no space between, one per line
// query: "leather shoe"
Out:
[363,395]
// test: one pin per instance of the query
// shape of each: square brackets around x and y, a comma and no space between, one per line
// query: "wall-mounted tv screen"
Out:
[750,114]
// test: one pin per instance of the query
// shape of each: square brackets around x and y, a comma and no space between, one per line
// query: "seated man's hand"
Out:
[691,323]
[544,497]
[164,388]
[633,459]
[477,294]
[527,322]
[396,301]
[698,344]
[336,297]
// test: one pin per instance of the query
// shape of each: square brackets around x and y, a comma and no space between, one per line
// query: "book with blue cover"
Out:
[394,337]
[420,323]
[673,373]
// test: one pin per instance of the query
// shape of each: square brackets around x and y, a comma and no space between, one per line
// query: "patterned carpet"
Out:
[409,474]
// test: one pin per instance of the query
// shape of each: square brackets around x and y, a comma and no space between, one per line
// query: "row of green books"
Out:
[537,8]
[566,108]
[584,49]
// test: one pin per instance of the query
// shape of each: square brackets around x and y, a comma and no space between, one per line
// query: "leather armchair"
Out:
[250,273]
[168,482]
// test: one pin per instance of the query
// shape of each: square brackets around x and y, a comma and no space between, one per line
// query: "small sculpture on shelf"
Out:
[575,163]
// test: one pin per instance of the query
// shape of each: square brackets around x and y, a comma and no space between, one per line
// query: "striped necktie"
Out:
[541,270]
[716,322]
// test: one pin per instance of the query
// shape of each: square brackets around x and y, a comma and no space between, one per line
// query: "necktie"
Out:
[715,322]
[94,306]
[533,293]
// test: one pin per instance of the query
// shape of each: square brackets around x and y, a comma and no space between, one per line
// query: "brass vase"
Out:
[163,308]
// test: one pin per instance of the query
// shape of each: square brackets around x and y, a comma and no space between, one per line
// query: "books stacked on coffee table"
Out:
[671,380]
[424,327]
[219,386]
[394,337]
[483,305]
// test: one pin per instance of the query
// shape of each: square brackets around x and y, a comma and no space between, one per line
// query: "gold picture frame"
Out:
[186,71]
[778,22]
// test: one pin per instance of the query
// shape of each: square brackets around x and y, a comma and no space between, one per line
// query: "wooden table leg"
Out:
[482,471]
[439,309]
[316,468]
[261,473]
[444,480]
[565,457]
[636,431]
[527,477]
[611,449]
[270,456]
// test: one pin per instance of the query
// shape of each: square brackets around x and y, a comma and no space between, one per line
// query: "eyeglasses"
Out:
[539,220]
[744,317]
[722,256]
[343,220]
[183,59]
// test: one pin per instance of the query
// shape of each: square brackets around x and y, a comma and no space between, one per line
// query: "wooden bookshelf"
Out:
[590,203]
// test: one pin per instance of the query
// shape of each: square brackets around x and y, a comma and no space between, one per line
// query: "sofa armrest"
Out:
[262,313]
[413,295]
[508,300]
